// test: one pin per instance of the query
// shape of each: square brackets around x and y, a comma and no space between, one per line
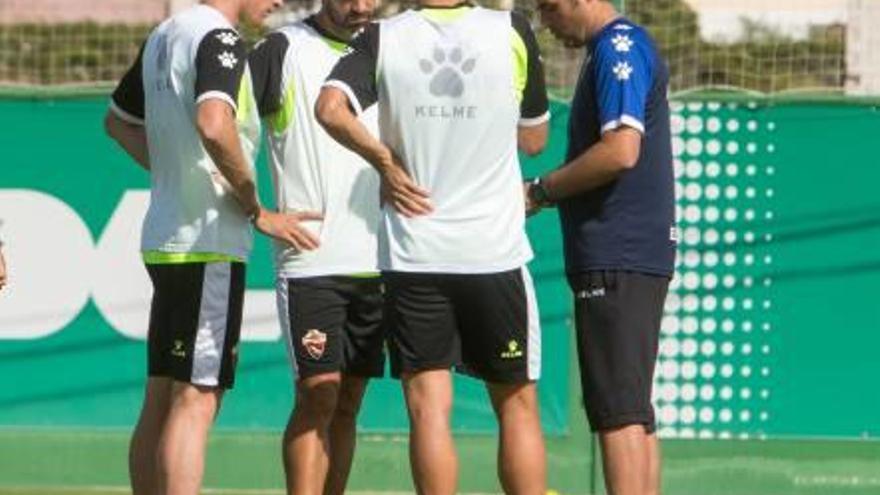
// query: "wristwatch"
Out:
[538,193]
[252,218]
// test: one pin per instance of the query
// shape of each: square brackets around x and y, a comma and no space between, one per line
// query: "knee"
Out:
[514,400]
[426,412]
[428,403]
[349,403]
[317,399]
[202,402]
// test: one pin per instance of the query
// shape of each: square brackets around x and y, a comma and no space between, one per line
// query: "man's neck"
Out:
[323,20]
[605,14]
[231,9]
[440,3]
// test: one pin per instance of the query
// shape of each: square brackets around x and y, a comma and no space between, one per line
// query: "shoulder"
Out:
[291,32]
[520,22]
[368,36]
[628,42]
[402,20]
[275,42]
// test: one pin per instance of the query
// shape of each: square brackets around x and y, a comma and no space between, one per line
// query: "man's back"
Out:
[449,86]
[193,56]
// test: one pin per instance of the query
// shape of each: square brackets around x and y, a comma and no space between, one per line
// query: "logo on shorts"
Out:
[513,351]
[178,350]
[315,343]
[591,293]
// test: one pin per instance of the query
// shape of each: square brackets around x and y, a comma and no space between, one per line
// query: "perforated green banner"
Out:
[74,315]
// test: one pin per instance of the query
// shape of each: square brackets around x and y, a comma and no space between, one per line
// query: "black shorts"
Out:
[333,324]
[195,322]
[617,315]
[484,324]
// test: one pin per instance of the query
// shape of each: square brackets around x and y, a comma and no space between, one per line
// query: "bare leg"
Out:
[521,457]
[142,451]
[653,447]
[306,446]
[625,460]
[181,449]
[431,449]
[343,433]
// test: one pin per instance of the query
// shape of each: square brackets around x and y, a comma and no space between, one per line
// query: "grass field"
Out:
[93,463]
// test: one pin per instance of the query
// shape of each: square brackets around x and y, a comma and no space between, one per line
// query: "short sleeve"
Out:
[355,73]
[220,63]
[534,105]
[266,63]
[624,75]
[127,101]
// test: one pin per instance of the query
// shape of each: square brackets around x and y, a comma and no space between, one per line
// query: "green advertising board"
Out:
[72,319]
[771,327]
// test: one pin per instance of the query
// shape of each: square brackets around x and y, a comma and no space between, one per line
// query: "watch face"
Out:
[538,193]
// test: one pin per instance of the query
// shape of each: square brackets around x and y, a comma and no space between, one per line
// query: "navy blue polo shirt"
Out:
[628,224]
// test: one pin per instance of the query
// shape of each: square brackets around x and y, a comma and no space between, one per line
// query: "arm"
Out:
[220,64]
[531,88]
[124,121]
[333,113]
[351,87]
[266,63]
[617,152]
[3,277]
[623,80]
[532,139]
[215,121]
[131,137]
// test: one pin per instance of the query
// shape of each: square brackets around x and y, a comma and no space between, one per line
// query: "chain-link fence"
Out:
[767,46]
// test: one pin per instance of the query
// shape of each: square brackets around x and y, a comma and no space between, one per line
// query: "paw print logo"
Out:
[447,70]
[228,60]
[622,70]
[622,42]
[227,38]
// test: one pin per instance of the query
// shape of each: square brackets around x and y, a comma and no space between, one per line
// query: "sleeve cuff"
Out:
[534,121]
[624,120]
[125,116]
[345,88]
[217,95]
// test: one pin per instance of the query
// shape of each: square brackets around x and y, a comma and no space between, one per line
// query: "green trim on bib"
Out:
[281,120]
[335,45]
[364,275]
[520,64]
[163,258]
[245,98]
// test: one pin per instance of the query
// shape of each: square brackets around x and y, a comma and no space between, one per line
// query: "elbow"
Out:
[325,109]
[210,129]
[532,140]
[111,123]
[627,161]
[533,147]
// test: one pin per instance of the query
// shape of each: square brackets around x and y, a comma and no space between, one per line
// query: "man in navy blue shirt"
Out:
[616,203]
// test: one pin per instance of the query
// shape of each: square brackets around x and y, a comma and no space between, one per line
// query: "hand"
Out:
[405,196]
[288,228]
[2,271]
[532,208]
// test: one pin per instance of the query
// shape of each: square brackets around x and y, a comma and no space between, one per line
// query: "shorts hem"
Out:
[620,420]
[398,371]
[499,377]
[301,374]
[190,381]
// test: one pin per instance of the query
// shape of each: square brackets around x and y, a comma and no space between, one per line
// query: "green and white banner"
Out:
[772,326]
